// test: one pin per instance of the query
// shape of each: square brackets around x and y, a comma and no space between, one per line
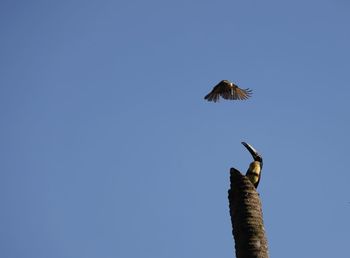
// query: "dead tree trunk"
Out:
[246,217]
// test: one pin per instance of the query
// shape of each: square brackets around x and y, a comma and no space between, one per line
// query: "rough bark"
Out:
[246,217]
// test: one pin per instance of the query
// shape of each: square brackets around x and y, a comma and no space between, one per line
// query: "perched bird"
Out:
[254,170]
[228,90]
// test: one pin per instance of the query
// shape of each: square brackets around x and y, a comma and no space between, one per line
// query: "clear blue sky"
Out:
[109,150]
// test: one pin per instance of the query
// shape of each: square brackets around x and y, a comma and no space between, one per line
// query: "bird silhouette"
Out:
[228,90]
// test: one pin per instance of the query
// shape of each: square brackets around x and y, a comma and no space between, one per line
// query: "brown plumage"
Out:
[228,90]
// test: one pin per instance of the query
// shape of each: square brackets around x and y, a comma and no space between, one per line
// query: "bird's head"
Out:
[256,156]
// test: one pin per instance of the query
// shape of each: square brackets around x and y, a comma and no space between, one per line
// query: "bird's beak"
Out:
[256,156]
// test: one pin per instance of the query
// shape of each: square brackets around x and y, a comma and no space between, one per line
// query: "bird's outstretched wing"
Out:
[221,88]
[237,93]
[227,91]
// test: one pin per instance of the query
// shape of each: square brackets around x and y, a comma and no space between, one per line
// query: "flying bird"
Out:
[254,170]
[228,90]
